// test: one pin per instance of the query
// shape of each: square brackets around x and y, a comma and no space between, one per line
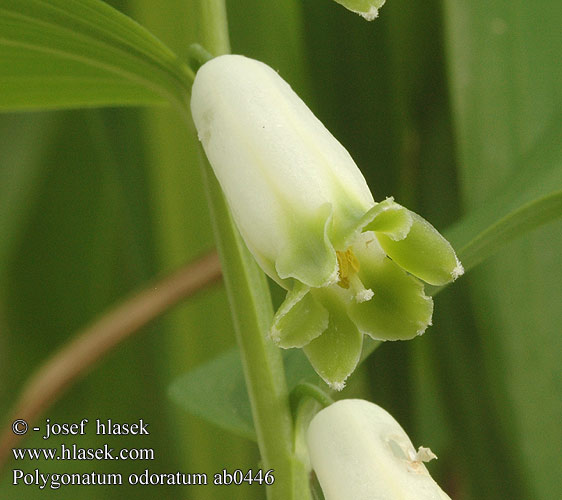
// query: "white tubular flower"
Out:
[308,217]
[359,452]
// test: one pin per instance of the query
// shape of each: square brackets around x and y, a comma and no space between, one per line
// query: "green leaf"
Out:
[62,54]
[216,391]
[532,197]
[506,95]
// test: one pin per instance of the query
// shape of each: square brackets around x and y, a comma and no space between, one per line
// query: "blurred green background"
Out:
[439,102]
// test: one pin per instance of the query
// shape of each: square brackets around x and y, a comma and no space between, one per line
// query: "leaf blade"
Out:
[531,198]
[216,391]
[53,45]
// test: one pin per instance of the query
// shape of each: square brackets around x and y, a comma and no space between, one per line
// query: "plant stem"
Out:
[213,26]
[250,303]
[252,313]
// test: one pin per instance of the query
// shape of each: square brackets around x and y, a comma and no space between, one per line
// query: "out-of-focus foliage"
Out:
[442,104]
[506,95]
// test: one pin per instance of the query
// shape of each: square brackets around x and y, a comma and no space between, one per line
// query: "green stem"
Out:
[311,391]
[252,312]
[213,26]
[306,409]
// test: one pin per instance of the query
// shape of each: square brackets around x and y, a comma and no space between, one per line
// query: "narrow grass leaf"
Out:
[530,198]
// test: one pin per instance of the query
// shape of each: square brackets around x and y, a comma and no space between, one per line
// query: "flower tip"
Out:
[337,386]
[370,15]
[423,326]
[458,270]
[364,295]
[424,455]
[421,331]
[275,335]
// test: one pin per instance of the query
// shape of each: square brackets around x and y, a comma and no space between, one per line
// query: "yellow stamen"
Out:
[348,271]
[343,267]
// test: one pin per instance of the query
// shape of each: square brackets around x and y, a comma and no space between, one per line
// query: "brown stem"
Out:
[76,357]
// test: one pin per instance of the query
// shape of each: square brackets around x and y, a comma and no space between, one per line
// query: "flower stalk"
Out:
[251,308]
